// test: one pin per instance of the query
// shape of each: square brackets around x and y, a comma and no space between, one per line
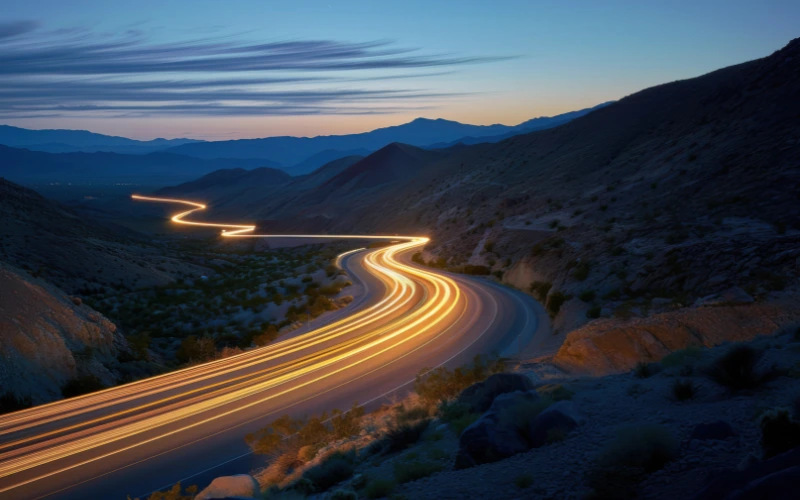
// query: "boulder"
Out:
[479,397]
[488,440]
[719,430]
[239,486]
[563,416]
[510,399]
[777,478]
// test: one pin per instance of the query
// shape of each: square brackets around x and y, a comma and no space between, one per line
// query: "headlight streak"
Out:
[201,394]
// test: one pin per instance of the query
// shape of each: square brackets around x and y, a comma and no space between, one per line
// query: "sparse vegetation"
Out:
[780,432]
[379,488]
[683,390]
[405,472]
[554,302]
[523,481]
[540,289]
[737,369]
[443,384]
[336,468]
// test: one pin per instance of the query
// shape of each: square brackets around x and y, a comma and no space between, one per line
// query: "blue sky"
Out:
[216,70]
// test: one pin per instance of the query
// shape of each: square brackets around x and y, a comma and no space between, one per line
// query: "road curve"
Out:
[189,425]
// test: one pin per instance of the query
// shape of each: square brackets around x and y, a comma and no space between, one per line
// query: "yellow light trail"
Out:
[66,434]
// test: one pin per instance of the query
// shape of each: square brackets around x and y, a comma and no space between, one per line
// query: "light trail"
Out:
[415,310]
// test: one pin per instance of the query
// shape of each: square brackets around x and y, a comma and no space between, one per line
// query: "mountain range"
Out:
[295,155]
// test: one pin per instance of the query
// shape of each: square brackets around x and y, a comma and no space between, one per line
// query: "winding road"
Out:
[189,425]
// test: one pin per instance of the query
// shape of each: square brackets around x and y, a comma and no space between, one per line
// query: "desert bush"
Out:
[82,385]
[594,312]
[405,416]
[683,390]
[175,493]
[581,271]
[554,302]
[737,369]
[344,495]
[555,435]
[449,411]
[195,349]
[443,384]
[556,392]
[274,439]
[405,472]
[379,488]
[9,402]
[401,437]
[336,468]
[647,446]
[521,413]
[347,424]
[643,370]
[524,481]
[779,432]
[458,425]
[587,295]
[540,289]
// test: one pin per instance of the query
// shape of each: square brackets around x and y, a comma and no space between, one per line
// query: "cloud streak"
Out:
[76,72]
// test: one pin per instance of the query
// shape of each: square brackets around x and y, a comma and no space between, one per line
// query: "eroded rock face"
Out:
[46,338]
[488,440]
[239,486]
[614,346]
[480,396]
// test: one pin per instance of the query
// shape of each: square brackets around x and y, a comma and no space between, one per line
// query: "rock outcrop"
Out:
[48,338]
[479,397]
[614,346]
[239,486]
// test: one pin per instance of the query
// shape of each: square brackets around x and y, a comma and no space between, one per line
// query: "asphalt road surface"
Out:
[190,425]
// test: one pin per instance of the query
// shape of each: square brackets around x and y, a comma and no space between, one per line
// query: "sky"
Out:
[256,68]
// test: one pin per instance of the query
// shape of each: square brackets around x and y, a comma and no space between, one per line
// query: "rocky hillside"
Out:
[49,339]
[51,241]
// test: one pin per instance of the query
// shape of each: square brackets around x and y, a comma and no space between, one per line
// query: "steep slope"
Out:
[420,132]
[48,339]
[313,162]
[221,184]
[23,165]
[50,241]
[675,193]
[63,141]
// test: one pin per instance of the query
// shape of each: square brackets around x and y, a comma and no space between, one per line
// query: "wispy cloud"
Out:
[70,72]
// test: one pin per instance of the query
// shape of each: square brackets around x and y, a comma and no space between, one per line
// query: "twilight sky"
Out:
[255,68]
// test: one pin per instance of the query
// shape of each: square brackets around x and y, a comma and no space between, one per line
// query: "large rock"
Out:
[609,346]
[777,479]
[492,438]
[479,397]
[48,338]
[240,486]
[562,416]
[488,440]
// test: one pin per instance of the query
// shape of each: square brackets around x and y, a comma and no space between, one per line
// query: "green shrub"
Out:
[401,437]
[647,446]
[9,402]
[458,425]
[524,481]
[554,302]
[521,413]
[556,392]
[683,390]
[449,411]
[443,384]
[779,432]
[336,468]
[555,435]
[587,295]
[540,289]
[412,415]
[737,369]
[379,488]
[581,271]
[405,472]
[344,495]
[643,370]
[175,493]
[347,424]
[82,385]
[594,312]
